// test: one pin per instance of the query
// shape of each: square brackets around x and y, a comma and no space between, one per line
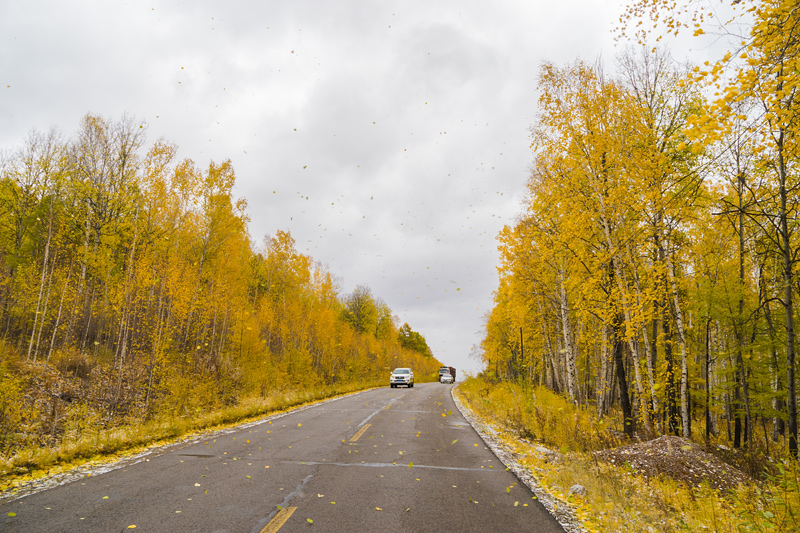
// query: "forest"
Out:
[131,291]
[653,274]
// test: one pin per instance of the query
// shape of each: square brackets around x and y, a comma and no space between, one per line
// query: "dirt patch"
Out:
[677,458]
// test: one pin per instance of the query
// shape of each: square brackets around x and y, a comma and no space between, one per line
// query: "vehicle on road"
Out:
[447,371]
[401,376]
[446,378]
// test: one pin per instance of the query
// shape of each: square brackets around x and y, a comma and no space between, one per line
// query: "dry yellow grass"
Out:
[617,498]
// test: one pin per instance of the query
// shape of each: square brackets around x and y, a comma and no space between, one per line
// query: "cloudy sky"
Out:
[389,137]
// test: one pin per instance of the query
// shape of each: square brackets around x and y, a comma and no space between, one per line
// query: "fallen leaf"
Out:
[12,514]
[378,509]
[309,521]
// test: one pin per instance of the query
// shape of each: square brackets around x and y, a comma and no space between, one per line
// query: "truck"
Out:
[449,370]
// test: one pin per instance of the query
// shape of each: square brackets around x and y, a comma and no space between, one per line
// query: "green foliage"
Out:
[412,340]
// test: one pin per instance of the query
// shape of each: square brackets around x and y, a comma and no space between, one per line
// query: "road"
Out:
[380,460]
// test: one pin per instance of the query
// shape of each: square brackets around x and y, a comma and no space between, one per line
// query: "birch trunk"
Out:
[569,339]
[686,430]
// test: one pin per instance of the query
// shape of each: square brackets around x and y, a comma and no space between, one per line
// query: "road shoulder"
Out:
[561,510]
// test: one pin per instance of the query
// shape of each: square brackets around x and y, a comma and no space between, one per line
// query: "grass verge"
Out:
[554,441]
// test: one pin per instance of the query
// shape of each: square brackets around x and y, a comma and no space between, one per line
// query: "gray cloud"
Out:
[390,138]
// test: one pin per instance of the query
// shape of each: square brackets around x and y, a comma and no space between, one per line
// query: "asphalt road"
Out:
[381,460]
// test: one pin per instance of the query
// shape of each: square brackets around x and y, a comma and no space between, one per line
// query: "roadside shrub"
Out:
[11,406]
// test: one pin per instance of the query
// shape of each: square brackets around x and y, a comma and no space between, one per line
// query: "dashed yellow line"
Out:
[280,519]
[360,432]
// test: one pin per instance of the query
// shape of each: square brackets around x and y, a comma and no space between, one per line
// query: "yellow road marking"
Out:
[280,519]
[360,432]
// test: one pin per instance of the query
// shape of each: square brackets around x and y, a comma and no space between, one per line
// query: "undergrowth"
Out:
[616,498]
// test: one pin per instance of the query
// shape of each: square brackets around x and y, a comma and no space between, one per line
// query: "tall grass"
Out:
[617,498]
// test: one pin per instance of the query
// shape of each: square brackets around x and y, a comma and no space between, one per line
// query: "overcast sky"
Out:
[390,138]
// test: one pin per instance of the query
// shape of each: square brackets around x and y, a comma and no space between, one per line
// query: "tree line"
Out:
[134,271]
[653,272]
